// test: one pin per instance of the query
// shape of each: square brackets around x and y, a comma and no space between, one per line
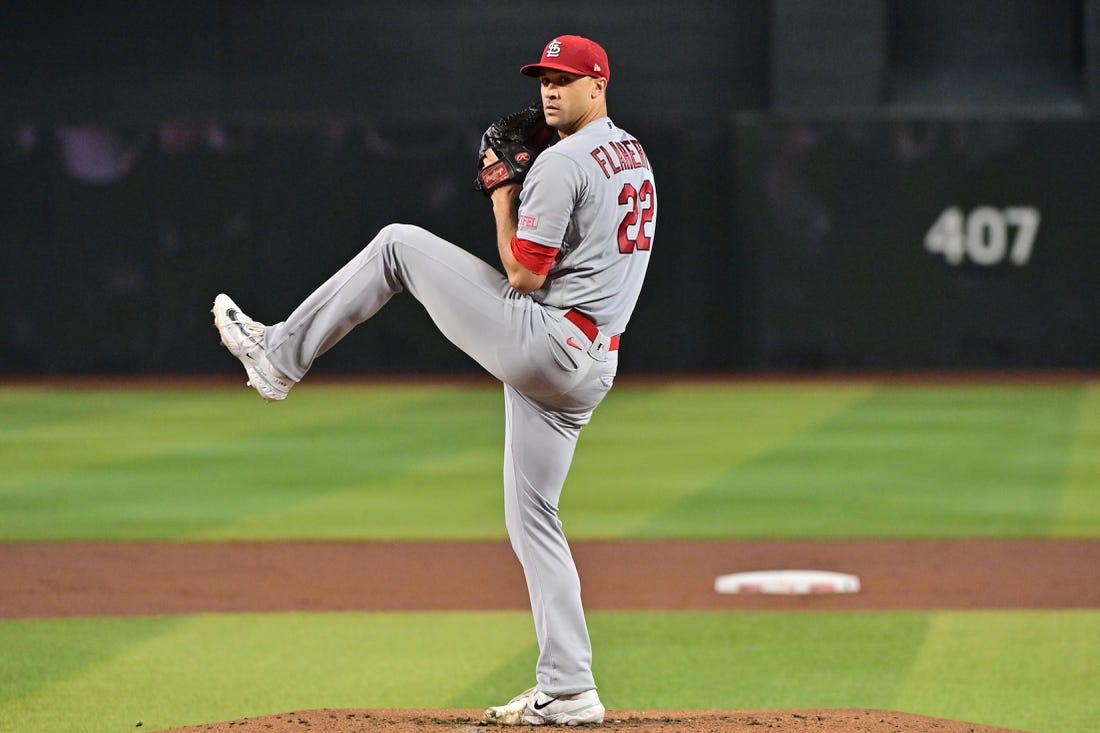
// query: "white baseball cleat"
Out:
[532,707]
[244,338]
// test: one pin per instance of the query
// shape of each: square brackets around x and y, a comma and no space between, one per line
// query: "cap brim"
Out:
[537,69]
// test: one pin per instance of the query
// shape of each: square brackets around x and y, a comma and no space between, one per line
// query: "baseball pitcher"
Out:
[575,205]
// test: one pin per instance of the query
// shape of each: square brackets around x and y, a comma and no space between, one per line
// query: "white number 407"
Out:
[983,235]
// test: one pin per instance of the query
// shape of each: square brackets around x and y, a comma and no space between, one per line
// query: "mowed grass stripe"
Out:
[753,660]
[1026,670]
[182,466]
[452,493]
[209,668]
[1079,511]
[40,653]
[425,470]
[91,429]
[902,461]
[651,451]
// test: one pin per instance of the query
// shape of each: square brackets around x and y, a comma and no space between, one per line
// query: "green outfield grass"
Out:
[800,460]
[688,460]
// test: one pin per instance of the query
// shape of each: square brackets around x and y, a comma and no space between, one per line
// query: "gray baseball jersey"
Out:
[606,235]
[591,195]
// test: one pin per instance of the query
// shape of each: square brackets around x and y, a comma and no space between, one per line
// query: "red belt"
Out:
[588,328]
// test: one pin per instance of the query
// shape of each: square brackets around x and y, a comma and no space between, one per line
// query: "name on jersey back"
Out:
[622,156]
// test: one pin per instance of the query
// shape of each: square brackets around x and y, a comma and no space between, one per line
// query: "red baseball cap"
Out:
[574,54]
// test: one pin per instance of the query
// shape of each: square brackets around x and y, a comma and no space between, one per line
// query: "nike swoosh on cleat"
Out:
[536,706]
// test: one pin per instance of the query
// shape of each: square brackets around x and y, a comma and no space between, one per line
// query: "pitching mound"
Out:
[465,721]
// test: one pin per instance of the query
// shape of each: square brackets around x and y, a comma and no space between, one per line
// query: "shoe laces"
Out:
[252,330]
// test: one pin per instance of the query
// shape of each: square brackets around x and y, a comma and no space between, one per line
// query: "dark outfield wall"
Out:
[876,244]
[935,207]
[117,238]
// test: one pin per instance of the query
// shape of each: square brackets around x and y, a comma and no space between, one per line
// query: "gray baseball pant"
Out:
[550,391]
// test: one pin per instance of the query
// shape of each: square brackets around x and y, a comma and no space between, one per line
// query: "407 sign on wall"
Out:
[986,236]
[896,243]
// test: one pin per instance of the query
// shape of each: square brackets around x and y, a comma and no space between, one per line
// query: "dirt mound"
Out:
[684,721]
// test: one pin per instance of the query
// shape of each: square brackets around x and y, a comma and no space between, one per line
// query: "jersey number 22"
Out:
[643,205]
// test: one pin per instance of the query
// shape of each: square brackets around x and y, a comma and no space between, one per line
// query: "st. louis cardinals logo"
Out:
[553,49]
